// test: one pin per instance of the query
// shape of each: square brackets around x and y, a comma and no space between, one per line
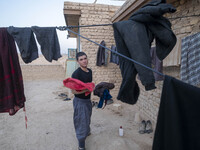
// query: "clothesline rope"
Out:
[94,25]
[132,60]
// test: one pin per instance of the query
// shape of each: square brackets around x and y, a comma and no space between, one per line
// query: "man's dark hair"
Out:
[80,54]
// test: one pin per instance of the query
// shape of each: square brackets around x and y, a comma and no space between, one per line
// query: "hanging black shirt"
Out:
[84,77]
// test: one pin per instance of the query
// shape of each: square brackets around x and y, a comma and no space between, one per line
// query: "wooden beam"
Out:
[129,10]
[132,8]
[72,12]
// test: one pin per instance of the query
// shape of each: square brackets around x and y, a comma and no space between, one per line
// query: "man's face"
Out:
[83,61]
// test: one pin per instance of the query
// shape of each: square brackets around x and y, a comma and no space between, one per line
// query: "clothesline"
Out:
[132,60]
[63,28]
[94,25]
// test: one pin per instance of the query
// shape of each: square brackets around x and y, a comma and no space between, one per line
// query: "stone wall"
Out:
[98,14]
[182,26]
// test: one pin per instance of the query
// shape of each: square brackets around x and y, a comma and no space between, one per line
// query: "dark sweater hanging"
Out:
[133,39]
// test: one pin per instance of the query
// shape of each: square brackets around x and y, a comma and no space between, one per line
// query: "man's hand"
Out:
[81,92]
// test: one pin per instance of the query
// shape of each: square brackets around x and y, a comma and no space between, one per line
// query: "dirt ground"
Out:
[50,124]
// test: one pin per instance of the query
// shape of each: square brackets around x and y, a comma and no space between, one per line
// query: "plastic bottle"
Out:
[121,132]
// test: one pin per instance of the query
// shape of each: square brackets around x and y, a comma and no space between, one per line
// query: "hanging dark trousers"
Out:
[129,90]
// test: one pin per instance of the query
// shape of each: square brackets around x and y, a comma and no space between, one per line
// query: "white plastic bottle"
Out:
[121,132]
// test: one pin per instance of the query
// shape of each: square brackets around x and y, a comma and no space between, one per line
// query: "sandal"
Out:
[67,99]
[62,95]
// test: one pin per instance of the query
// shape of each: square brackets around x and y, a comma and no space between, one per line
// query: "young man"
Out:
[82,104]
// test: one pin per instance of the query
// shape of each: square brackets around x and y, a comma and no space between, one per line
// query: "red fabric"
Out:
[78,85]
[11,83]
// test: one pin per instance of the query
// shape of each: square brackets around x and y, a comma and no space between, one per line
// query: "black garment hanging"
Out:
[26,42]
[178,123]
[101,54]
[133,39]
[114,58]
[48,40]
[156,64]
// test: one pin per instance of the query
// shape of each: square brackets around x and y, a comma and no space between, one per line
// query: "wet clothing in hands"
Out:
[84,77]
[79,86]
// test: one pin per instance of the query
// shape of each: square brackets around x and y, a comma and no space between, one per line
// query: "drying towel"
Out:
[26,42]
[48,40]
[78,85]
[178,123]
[11,83]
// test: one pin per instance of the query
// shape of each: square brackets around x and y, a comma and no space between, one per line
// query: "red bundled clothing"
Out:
[78,85]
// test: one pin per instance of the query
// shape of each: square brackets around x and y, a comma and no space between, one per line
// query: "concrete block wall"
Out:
[98,14]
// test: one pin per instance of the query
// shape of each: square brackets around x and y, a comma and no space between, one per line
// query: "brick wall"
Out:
[149,102]
[98,14]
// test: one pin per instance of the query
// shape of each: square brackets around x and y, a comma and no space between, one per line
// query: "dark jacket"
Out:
[101,54]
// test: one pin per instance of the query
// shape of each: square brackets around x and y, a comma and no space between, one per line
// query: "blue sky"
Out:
[44,13]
